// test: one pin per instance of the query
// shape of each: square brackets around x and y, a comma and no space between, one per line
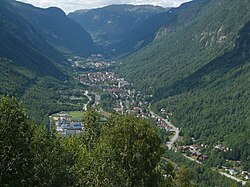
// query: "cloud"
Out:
[72,5]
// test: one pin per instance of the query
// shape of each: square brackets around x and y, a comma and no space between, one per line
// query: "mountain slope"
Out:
[61,32]
[109,25]
[158,25]
[213,104]
[180,53]
[33,38]
[34,43]
[200,72]
[21,43]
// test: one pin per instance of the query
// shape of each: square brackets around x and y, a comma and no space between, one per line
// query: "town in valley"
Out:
[109,93]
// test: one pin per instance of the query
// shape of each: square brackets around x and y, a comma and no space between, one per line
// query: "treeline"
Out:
[124,151]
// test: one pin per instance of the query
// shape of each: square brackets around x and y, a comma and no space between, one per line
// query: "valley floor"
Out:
[109,93]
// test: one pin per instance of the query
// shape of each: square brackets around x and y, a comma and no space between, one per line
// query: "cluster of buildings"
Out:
[104,80]
[220,147]
[194,151]
[95,62]
[127,100]
[236,172]
[65,126]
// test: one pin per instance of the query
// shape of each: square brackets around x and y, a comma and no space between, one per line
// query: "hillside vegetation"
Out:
[34,45]
[36,38]
[200,72]
[125,151]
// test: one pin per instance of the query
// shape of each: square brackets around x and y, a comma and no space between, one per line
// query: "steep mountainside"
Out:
[213,104]
[34,38]
[200,72]
[21,43]
[33,44]
[109,25]
[60,31]
[158,25]
[180,53]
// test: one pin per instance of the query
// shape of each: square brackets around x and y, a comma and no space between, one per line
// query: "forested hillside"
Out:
[200,73]
[41,95]
[160,24]
[34,46]
[36,38]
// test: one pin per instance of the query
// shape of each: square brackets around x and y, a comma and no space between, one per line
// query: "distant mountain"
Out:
[158,25]
[200,72]
[109,25]
[35,38]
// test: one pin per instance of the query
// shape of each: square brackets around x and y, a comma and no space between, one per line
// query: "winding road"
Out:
[85,106]
[170,143]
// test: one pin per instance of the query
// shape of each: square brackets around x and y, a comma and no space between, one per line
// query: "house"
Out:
[232,172]
[247,177]
[184,148]
[244,172]
[203,157]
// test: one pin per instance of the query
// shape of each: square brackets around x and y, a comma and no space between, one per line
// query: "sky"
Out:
[72,5]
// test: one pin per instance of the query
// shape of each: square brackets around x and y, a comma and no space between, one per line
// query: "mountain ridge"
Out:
[109,24]
[39,37]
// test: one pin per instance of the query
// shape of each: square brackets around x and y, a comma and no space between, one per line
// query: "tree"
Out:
[52,163]
[15,144]
[137,148]
[91,128]
[183,178]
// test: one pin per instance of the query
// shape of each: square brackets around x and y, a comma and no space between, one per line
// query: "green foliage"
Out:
[46,97]
[137,148]
[92,128]
[36,38]
[41,96]
[15,144]
[217,102]
[180,53]
[107,102]
[13,79]
[126,151]
[201,77]
[51,161]
[202,176]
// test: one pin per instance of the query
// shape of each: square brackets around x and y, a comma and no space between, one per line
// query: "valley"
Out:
[108,93]
[153,96]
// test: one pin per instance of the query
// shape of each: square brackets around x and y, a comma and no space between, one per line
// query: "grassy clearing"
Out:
[76,115]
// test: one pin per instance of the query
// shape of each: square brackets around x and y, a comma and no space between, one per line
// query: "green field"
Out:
[76,115]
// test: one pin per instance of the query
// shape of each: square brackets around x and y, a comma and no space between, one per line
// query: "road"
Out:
[234,178]
[85,106]
[176,130]
[173,139]
[97,98]
[97,102]
[121,105]
[192,159]
[104,113]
